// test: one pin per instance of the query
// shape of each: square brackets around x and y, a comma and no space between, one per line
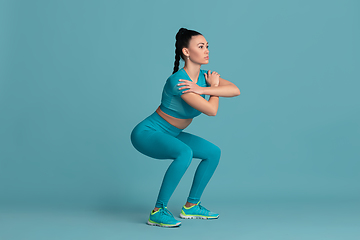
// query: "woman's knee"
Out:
[215,153]
[185,156]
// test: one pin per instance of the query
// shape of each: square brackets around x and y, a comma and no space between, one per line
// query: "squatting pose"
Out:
[161,135]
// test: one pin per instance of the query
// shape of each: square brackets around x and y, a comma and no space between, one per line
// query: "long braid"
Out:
[177,61]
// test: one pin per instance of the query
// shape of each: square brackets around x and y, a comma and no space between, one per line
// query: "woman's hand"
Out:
[212,78]
[193,87]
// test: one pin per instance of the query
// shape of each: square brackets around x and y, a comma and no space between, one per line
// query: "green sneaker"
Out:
[163,218]
[197,211]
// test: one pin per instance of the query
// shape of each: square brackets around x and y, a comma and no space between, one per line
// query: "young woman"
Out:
[161,134]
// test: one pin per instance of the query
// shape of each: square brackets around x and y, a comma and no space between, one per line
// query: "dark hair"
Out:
[183,37]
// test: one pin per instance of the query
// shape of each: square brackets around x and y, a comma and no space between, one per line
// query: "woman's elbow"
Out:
[237,91]
[212,113]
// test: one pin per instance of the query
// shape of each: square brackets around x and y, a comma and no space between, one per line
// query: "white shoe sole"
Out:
[196,217]
[156,224]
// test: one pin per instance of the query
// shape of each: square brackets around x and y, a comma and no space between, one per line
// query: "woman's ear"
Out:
[185,52]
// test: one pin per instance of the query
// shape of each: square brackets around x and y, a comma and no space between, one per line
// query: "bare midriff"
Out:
[177,122]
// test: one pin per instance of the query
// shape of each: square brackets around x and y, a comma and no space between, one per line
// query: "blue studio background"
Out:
[77,76]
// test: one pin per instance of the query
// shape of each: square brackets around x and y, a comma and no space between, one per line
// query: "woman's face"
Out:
[197,51]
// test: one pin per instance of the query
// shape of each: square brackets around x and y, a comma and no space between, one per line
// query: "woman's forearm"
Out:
[214,101]
[230,90]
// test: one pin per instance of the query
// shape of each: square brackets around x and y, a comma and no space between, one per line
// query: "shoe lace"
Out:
[202,208]
[166,212]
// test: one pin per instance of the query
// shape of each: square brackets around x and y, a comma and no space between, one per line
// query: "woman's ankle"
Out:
[189,204]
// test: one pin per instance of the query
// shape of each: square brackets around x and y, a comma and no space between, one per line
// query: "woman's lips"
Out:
[207,57]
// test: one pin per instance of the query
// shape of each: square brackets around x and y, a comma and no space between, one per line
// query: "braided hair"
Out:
[183,37]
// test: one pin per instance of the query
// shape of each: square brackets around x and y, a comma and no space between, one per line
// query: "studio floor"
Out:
[247,220]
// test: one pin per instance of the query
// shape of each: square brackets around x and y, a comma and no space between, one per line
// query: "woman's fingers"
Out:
[183,82]
[186,83]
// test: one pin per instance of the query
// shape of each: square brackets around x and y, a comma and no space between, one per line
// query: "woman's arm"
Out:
[225,89]
[196,101]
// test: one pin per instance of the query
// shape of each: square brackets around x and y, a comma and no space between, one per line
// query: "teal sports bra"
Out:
[171,101]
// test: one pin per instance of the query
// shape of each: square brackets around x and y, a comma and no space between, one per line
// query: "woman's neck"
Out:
[193,71]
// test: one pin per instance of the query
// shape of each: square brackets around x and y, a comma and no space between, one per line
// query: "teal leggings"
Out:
[157,138]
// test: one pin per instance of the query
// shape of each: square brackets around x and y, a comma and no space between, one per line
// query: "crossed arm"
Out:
[224,89]
[210,107]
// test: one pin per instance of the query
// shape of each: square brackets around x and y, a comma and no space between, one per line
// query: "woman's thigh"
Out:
[201,147]
[157,144]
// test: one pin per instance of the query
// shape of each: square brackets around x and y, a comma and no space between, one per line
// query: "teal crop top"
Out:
[171,101]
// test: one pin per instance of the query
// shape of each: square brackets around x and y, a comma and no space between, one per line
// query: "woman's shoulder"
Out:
[180,74]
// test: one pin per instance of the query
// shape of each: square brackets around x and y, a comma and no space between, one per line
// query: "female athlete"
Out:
[161,135]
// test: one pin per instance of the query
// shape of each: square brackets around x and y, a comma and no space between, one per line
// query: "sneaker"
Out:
[197,211]
[163,218]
